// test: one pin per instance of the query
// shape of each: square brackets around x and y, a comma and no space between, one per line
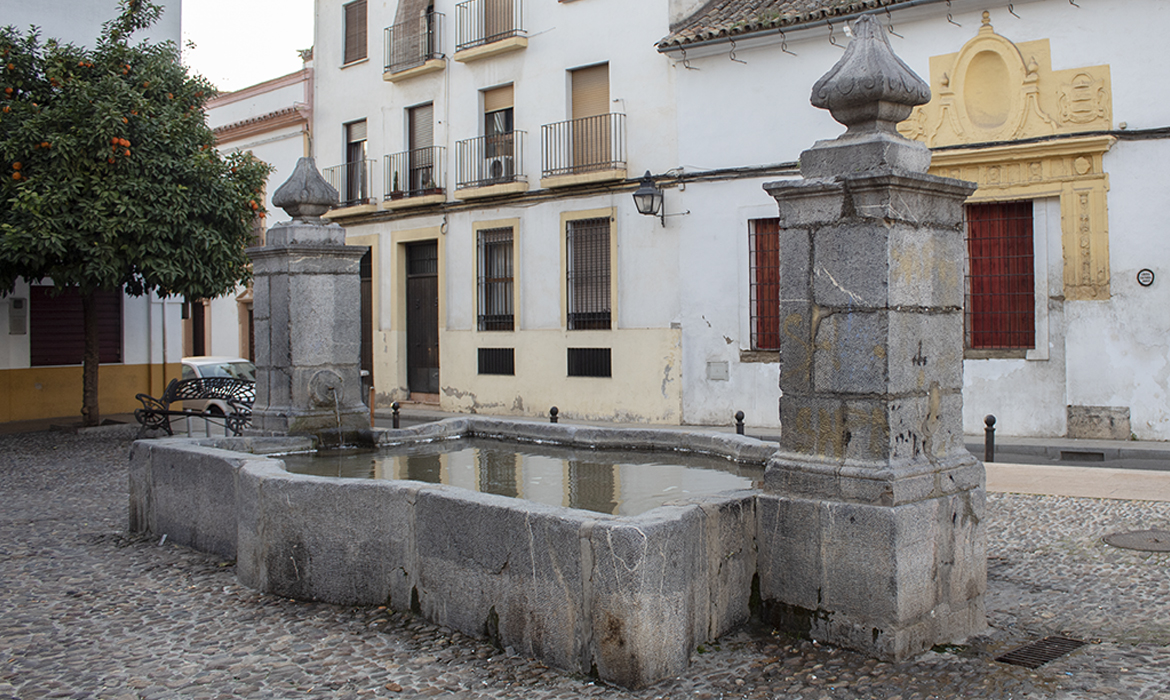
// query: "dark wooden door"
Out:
[367,290]
[422,317]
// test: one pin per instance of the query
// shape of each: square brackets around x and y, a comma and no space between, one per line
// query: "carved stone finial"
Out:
[305,196]
[870,89]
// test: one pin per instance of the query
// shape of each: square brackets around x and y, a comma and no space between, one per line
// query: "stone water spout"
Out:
[871,531]
[306,313]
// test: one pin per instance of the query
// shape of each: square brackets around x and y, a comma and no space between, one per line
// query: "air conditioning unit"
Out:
[499,168]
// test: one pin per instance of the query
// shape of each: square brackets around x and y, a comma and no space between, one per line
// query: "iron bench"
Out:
[238,394]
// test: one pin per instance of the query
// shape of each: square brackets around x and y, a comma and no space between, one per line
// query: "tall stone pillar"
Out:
[871,531]
[307,316]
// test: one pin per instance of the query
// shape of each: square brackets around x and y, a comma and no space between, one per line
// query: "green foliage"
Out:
[109,178]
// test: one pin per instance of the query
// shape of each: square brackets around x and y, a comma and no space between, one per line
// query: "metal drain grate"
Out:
[1037,654]
[1142,540]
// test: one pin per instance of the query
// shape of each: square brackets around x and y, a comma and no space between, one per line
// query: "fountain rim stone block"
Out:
[680,587]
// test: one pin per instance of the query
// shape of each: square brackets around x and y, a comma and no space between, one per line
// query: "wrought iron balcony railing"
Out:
[479,22]
[583,145]
[414,42]
[353,181]
[490,160]
[415,173]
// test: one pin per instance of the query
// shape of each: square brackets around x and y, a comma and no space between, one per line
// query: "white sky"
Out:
[243,42]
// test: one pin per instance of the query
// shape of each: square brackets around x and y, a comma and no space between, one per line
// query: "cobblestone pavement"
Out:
[87,611]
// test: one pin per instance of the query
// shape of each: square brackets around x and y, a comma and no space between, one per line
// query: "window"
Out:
[57,331]
[589,362]
[592,130]
[587,249]
[1001,306]
[498,133]
[497,361]
[355,31]
[356,187]
[421,137]
[495,280]
[764,253]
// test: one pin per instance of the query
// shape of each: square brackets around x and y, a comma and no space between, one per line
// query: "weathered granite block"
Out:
[807,203]
[924,350]
[850,265]
[907,195]
[927,267]
[851,353]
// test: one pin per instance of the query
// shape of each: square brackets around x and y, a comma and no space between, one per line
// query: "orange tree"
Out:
[109,179]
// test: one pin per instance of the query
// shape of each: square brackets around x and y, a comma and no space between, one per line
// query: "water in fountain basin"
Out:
[605,481]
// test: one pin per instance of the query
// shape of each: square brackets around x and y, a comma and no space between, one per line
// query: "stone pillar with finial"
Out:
[306,314]
[871,521]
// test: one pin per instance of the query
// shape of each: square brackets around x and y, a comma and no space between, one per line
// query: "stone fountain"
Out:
[868,532]
[307,316]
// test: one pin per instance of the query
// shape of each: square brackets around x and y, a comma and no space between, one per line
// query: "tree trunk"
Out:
[89,368]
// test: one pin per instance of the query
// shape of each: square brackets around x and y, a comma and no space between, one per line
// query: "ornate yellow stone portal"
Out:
[1001,117]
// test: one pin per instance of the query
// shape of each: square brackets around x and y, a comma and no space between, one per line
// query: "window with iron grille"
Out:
[1001,306]
[587,247]
[764,263]
[589,362]
[497,361]
[495,280]
[355,31]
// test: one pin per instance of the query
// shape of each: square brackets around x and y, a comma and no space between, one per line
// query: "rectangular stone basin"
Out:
[625,598]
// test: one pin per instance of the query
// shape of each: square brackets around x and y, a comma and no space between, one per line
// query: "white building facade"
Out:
[479,146]
[1052,109]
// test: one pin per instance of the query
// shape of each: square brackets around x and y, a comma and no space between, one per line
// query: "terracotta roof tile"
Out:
[724,19]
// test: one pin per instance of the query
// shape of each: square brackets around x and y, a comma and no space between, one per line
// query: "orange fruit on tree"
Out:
[17,165]
[15,176]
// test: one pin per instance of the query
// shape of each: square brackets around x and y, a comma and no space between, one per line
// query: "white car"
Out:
[215,366]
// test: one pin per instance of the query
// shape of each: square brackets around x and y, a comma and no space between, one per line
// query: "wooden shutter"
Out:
[355,31]
[765,284]
[1001,302]
[591,91]
[497,99]
[57,333]
[422,127]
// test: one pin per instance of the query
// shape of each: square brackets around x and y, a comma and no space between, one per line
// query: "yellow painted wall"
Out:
[646,385]
[55,392]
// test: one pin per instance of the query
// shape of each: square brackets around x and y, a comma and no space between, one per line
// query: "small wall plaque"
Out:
[1145,277]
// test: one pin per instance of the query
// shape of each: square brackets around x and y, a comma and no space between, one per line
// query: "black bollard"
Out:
[739,422]
[552,414]
[989,438]
[394,407]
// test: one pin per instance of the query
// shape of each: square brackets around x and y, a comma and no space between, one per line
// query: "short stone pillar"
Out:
[307,316]
[871,523]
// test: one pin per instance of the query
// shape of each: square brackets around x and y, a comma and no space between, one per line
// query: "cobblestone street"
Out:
[87,611]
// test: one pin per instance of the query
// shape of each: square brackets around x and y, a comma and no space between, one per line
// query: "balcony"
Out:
[580,151]
[415,178]
[486,28]
[414,48]
[353,182]
[490,166]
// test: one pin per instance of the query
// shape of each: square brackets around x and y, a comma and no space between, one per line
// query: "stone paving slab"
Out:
[87,611]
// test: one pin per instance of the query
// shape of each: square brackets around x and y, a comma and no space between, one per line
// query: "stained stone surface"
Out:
[871,525]
[306,313]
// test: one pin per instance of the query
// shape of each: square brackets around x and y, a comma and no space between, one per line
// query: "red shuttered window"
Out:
[765,283]
[1001,303]
[56,331]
